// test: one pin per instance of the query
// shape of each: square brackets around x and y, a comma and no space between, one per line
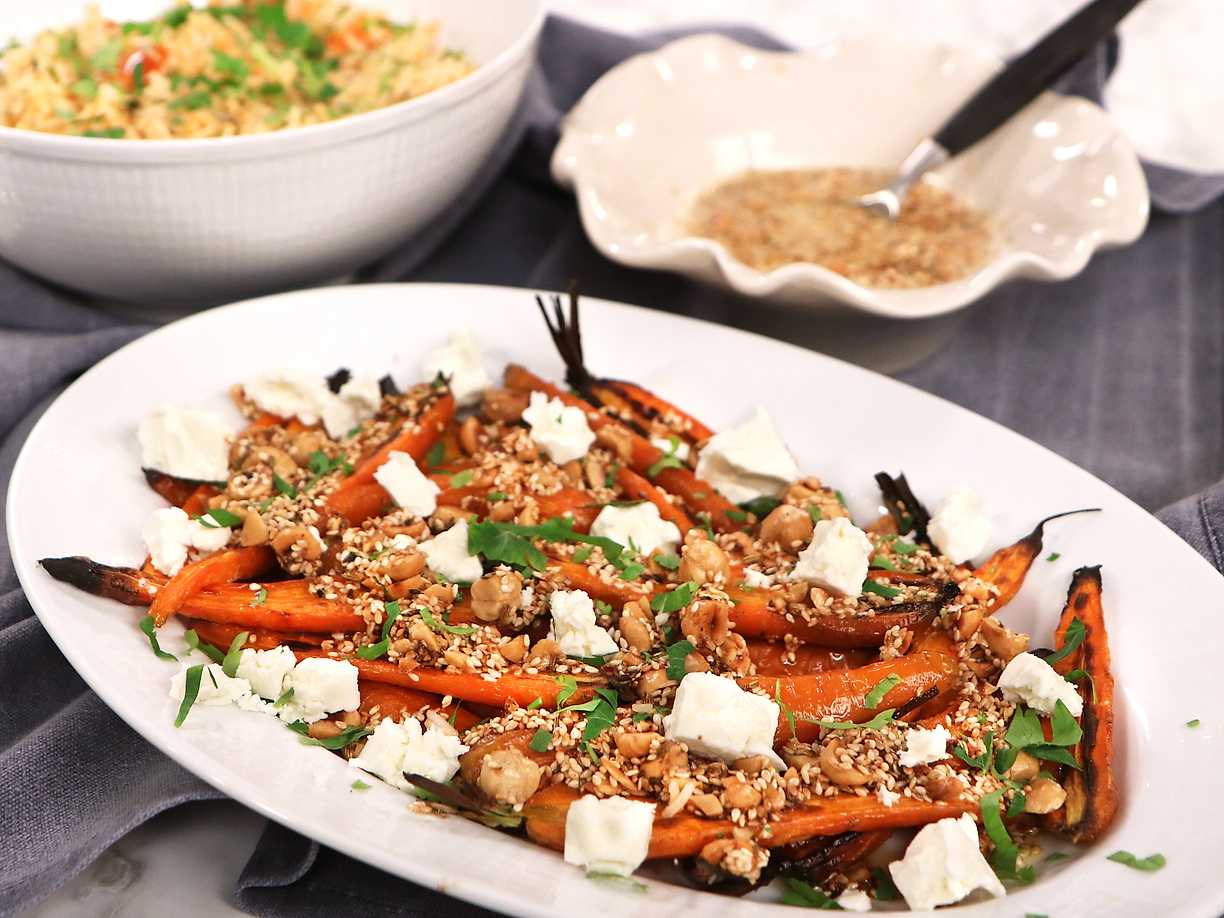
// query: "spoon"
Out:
[1010,90]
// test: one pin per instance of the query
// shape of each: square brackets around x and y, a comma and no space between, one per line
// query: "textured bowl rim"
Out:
[273,143]
[822,282]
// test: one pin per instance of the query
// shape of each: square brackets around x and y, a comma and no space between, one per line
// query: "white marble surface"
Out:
[1167,92]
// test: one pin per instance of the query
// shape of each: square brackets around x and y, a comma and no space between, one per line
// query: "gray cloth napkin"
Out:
[1120,369]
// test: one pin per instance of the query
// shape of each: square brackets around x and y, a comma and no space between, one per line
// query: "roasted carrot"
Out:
[1008,566]
[839,695]
[415,438]
[1092,794]
[223,567]
[753,618]
[519,740]
[577,576]
[197,501]
[222,634]
[699,496]
[123,584]
[636,487]
[519,687]
[396,702]
[773,659]
[174,491]
[685,835]
[647,407]
[287,606]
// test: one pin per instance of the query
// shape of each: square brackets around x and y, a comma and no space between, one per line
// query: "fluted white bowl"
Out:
[654,132]
[192,221]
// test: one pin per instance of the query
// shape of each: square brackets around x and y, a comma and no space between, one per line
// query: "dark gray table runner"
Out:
[1120,369]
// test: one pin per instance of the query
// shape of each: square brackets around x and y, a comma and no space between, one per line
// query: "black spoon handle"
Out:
[1025,77]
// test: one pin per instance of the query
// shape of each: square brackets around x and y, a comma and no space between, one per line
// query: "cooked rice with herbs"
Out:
[220,70]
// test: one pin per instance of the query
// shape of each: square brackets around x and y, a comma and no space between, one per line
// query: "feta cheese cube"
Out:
[460,361]
[959,527]
[836,558]
[718,719]
[757,579]
[394,748]
[267,670]
[922,747]
[638,526]
[943,864]
[185,443]
[748,461]
[216,688]
[573,625]
[672,446]
[169,533]
[306,396]
[1032,680]
[561,430]
[321,686]
[447,554]
[608,835]
[407,485]
[854,900]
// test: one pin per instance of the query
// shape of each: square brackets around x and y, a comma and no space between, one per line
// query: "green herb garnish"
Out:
[1006,852]
[494,497]
[1053,556]
[191,690]
[218,518]
[197,99]
[285,697]
[229,665]
[569,685]
[1193,723]
[360,785]
[667,562]
[462,479]
[541,741]
[675,659]
[806,895]
[150,629]
[339,741]
[1076,632]
[760,507]
[537,703]
[436,454]
[1151,863]
[108,133]
[193,643]
[283,487]
[374,651]
[873,698]
[880,589]
[885,889]
[510,543]
[674,600]
[668,460]
[814,513]
[261,597]
[428,617]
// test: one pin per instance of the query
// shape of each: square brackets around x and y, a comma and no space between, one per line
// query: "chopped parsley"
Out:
[667,562]
[806,895]
[233,67]
[261,597]
[668,460]
[462,479]
[1151,863]
[320,465]
[675,658]
[360,785]
[196,99]
[1053,556]
[873,698]
[436,454]
[85,88]
[903,548]
[569,685]
[229,665]
[880,589]
[883,563]
[537,703]
[885,889]
[374,651]
[1076,632]
[760,507]
[814,513]
[109,133]
[283,487]
[191,690]
[1193,723]
[785,709]
[541,741]
[883,719]
[218,518]
[632,571]
[177,16]
[148,626]
[339,741]
[1006,852]
[494,497]
[511,543]
[193,643]
[285,697]
[674,600]
[428,617]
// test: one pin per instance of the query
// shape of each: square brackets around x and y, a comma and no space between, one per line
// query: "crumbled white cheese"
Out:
[460,361]
[887,797]
[169,533]
[922,747]
[1032,680]
[608,835]
[748,461]
[943,864]
[185,443]
[854,900]
[216,688]
[573,625]
[320,687]
[306,396]
[718,719]
[401,541]
[267,670]
[757,579]
[672,446]
[560,429]
[447,554]
[638,526]
[836,558]
[407,485]
[394,748]
[959,527]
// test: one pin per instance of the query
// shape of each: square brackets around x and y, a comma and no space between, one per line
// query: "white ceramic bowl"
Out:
[192,221]
[660,128]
